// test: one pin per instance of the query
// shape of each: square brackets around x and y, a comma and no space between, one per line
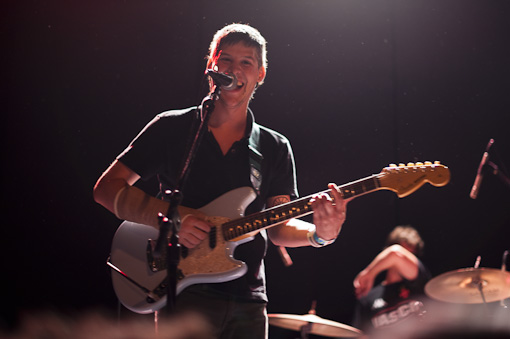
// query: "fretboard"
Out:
[294,209]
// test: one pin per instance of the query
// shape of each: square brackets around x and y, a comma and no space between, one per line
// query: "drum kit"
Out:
[463,286]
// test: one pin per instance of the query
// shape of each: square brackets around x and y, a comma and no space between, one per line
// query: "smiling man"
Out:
[224,162]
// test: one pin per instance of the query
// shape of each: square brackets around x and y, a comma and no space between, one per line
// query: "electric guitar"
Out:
[139,280]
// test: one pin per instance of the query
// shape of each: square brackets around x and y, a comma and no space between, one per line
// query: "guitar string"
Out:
[241,226]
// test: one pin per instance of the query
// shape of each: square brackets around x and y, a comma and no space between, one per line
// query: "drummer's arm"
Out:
[397,258]
[398,261]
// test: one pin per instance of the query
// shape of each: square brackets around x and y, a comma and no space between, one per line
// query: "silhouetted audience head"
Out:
[51,325]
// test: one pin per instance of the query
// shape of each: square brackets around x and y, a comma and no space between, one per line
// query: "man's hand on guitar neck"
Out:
[329,213]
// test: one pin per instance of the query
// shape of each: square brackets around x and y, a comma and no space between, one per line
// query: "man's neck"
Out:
[232,119]
[228,125]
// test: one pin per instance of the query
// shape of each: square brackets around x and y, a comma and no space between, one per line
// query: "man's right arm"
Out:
[115,191]
[115,178]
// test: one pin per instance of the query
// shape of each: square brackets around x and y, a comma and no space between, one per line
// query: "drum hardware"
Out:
[503,269]
[312,324]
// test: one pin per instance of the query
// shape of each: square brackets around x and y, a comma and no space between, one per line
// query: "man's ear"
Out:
[262,74]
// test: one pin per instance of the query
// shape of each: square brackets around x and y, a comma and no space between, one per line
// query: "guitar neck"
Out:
[294,209]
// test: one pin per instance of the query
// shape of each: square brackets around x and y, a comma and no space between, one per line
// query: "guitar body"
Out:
[202,264]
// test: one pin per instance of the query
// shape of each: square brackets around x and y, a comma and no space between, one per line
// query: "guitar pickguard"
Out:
[202,264]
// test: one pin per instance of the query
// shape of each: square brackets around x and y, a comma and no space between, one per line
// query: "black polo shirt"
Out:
[160,149]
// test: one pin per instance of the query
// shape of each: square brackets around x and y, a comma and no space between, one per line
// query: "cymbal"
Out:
[319,326]
[462,286]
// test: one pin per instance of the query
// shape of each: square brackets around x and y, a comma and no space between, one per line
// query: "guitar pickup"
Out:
[158,264]
[155,264]
[212,237]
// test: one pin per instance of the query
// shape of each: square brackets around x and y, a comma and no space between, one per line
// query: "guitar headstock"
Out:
[405,179]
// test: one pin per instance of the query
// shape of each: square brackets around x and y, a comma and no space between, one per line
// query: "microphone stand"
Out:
[496,171]
[503,269]
[171,221]
[495,168]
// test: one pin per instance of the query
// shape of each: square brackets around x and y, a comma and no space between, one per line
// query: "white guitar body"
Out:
[203,264]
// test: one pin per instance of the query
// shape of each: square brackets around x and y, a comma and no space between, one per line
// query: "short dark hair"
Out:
[406,235]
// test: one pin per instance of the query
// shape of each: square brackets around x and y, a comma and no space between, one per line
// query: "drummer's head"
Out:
[407,237]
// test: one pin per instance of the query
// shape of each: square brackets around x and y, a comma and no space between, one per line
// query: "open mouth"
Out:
[233,87]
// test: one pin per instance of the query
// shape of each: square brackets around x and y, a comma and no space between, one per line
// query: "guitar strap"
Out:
[255,158]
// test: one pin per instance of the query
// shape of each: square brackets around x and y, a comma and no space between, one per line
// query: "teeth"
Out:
[240,84]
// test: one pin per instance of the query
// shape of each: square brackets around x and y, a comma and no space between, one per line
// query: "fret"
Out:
[293,209]
[359,187]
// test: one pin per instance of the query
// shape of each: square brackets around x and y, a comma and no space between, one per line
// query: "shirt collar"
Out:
[250,120]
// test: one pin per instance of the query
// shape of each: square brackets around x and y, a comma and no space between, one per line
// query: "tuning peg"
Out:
[437,162]
[419,164]
[427,163]
[401,165]
[410,164]
[393,165]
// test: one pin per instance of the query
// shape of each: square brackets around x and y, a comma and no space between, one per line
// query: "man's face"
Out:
[240,60]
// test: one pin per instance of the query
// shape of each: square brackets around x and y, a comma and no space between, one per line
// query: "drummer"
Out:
[400,295]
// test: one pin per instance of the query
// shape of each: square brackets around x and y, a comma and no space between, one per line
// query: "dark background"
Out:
[355,85]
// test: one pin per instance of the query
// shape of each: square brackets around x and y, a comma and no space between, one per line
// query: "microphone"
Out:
[479,173]
[225,81]
[479,177]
